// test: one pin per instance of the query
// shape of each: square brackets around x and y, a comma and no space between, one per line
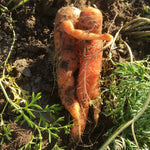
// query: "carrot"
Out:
[67,64]
[70,32]
[90,20]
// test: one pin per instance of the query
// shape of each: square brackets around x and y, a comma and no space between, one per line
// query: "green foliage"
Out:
[147,10]
[6,134]
[38,122]
[56,147]
[128,91]
[5,9]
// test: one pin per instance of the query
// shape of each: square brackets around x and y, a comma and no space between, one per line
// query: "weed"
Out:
[129,96]
[6,134]
[128,93]
[5,9]
[138,28]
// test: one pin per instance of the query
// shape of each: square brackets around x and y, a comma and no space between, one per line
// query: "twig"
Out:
[112,21]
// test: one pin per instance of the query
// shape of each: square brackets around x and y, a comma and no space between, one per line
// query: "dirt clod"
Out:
[22,66]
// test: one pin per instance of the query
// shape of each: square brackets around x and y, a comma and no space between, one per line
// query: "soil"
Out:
[33,58]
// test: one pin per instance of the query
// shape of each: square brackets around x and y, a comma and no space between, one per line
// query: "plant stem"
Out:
[130,51]
[126,26]
[18,108]
[12,45]
[125,125]
[112,46]
[140,33]
[134,136]
[9,100]
[1,114]
[19,4]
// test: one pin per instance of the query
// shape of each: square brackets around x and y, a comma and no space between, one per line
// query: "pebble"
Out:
[23,67]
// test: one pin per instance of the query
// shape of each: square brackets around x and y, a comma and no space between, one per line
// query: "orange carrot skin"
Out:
[71,52]
[91,20]
[67,64]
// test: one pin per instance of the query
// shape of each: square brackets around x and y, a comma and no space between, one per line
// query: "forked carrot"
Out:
[76,32]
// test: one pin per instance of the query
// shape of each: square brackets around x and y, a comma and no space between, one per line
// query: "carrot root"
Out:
[87,89]
[78,40]
[67,64]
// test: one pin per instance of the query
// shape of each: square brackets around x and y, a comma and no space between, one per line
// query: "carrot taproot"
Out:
[76,33]
[67,64]
[90,20]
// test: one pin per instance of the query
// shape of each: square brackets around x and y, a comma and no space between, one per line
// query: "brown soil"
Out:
[33,57]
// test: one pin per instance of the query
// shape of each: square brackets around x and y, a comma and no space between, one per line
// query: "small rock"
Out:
[22,66]
[26,72]
[30,23]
